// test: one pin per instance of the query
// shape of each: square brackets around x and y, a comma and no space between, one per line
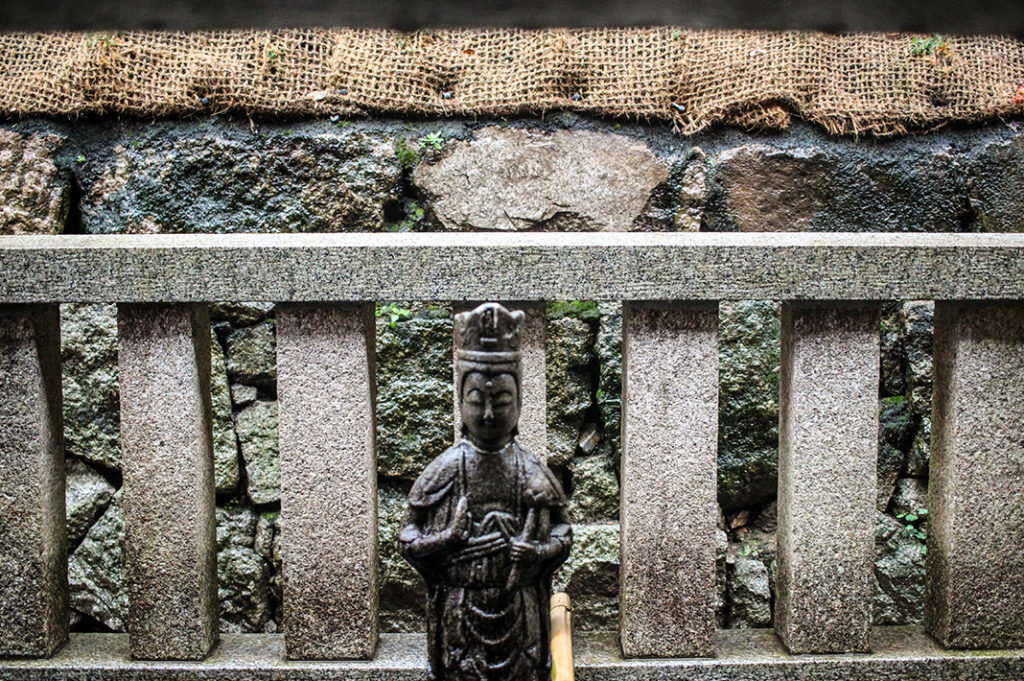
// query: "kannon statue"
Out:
[486,523]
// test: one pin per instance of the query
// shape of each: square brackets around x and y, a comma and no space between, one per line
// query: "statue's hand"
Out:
[524,552]
[458,529]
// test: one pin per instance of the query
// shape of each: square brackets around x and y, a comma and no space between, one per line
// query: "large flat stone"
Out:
[900,654]
[328,480]
[167,462]
[594,266]
[512,179]
[34,196]
[668,508]
[817,183]
[828,441]
[974,589]
[220,176]
[33,532]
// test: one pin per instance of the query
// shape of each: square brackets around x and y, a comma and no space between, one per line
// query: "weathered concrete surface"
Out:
[328,480]
[749,595]
[595,489]
[257,429]
[667,584]
[820,184]
[608,348]
[225,445]
[748,410]
[591,576]
[86,496]
[895,435]
[34,194]
[917,317]
[414,389]
[243,574]
[402,596]
[96,573]
[91,406]
[974,594]
[910,496]
[33,533]
[997,174]
[167,462]
[570,385]
[900,653]
[828,429]
[513,179]
[220,177]
[572,266]
[899,574]
[249,355]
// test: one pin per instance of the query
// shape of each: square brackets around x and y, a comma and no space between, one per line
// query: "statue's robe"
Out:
[479,629]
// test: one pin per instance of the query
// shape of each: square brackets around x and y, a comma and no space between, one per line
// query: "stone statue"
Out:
[485,524]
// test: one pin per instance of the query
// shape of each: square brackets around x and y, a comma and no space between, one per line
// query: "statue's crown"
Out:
[489,334]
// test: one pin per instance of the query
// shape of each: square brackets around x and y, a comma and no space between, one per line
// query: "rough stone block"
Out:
[33,554]
[974,591]
[532,341]
[668,508]
[328,480]
[512,179]
[34,194]
[901,653]
[828,441]
[223,178]
[518,266]
[167,462]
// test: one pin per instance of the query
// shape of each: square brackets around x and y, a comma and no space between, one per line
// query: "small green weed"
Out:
[416,214]
[80,158]
[578,309]
[912,526]
[407,158]
[935,45]
[434,140]
[394,313]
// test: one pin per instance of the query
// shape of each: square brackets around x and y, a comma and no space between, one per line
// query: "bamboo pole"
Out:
[561,638]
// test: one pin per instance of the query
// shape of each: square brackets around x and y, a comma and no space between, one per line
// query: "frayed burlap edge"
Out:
[850,84]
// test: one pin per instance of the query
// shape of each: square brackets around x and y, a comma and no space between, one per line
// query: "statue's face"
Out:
[490,408]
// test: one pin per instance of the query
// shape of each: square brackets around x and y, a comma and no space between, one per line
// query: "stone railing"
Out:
[670,285]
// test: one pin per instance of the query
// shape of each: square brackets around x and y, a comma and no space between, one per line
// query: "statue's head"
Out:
[488,362]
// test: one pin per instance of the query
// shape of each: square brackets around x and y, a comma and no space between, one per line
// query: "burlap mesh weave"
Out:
[860,84]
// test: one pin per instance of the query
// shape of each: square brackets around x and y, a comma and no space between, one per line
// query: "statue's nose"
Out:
[488,412]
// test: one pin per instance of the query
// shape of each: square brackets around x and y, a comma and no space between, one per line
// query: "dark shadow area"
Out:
[942,16]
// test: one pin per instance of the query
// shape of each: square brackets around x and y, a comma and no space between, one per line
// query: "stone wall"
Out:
[562,173]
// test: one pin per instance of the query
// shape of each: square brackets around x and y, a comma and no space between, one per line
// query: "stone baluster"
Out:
[669,462]
[326,396]
[828,448]
[974,593]
[167,463]
[533,429]
[33,554]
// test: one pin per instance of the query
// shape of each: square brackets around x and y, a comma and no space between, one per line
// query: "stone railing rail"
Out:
[670,285]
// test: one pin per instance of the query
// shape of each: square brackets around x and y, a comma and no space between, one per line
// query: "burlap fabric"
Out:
[852,84]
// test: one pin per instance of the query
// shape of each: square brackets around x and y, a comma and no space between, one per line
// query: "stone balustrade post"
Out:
[828,449]
[33,554]
[167,464]
[974,588]
[326,397]
[669,462]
